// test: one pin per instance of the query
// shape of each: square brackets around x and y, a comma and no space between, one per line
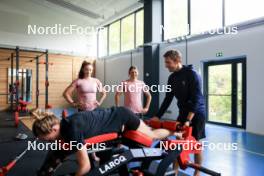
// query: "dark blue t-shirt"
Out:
[86,124]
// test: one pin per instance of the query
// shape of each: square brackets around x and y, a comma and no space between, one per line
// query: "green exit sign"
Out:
[219,54]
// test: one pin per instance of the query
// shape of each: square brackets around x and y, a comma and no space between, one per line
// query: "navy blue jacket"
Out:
[186,88]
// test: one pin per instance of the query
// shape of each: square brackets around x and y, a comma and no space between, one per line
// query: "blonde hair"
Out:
[44,122]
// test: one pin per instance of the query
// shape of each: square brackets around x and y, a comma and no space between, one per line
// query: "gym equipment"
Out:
[167,124]
[5,169]
[22,106]
[16,54]
[193,145]
[117,159]
[140,151]
[21,136]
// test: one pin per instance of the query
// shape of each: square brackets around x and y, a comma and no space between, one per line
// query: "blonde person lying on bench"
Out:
[87,124]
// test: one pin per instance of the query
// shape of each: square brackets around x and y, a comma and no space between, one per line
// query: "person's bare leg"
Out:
[198,158]
[154,133]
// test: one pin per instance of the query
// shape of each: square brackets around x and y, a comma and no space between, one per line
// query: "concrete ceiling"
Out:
[107,9]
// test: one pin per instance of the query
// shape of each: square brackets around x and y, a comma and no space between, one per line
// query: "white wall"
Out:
[116,70]
[15,16]
[137,60]
[247,42]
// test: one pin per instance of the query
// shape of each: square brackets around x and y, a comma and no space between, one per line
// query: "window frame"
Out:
[120,34]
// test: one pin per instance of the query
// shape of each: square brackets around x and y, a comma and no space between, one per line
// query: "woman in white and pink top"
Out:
[133,90]
[87,88]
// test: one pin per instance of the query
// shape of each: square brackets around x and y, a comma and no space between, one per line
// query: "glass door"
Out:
[225,91]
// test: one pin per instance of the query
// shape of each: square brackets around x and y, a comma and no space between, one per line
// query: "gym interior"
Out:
[214,46]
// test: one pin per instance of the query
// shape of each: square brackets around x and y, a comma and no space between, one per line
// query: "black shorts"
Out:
[130,120]
[198,124]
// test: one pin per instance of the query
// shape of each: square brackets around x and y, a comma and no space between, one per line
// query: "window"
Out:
[114,38]
[103,42]
[139,27]
[124,34]
[175,18]
[127,32]
[205,15]
[238,11]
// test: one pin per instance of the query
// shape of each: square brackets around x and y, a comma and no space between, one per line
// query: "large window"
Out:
[175,18]
[205,15]
[139,28]
[239,11]
[114,37]
[127,32]
[103,42]
[131,30]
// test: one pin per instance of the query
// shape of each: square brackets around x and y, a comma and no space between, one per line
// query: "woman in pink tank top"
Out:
[133,90]
[86,87]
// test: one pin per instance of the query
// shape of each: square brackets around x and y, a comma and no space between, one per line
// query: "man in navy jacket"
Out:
[186,88]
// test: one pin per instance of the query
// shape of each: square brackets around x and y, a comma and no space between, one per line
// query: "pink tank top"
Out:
[86,92]
[133,94]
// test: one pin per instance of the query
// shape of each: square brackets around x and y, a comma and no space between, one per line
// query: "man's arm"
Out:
[166,102]
[83,162]
[195,92]
[53,160]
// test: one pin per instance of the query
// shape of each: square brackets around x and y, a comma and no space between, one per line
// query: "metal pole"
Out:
[47,80]
[17,75]
[27,85]
[37,82]
[12,81]
[22,84]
